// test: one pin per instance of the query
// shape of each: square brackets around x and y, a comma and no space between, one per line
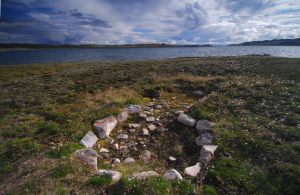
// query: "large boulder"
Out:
[193,171]
[87,156]
[173,174]
[89,140]
[122,117]
[204,139]
[115,176]
[104,126]
[133,109]
[143,175]
[186,120]
[204,126]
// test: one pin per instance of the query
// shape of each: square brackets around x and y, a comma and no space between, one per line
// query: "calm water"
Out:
[96,54]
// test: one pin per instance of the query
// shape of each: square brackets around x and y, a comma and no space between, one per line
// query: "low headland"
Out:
[247,107]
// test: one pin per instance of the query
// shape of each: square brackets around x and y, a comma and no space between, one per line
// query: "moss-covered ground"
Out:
[254,101]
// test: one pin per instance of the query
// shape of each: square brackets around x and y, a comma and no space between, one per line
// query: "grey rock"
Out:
[122,136]
[104,126]
[173,174]
[145,156]
[143,175]
[105,155]
[150,119]
[134,125]
[115,161]
[148,109]
[204,126]
[129,160]
[207,153]
[193,171]
[89,140]
[145,131]
[122,117]
[204,139]
[132,109]
[88,156]
[158,107]
[116,176]
[199,93]
[186,120]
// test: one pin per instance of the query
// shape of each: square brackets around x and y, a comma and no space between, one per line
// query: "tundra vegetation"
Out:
[254,102]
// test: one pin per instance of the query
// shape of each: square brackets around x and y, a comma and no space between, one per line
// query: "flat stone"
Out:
[171,158]
[115,176]
[204,126]
[122,136]
[129,160]
[88,156]
[150,119]
[104,150]
[122,117]
[104,126]
[204,139]
[173,174]
[199,93]
[145,156]
[89,140]
[152,127]
[145,131]
[143,175]
[186,120]
[193,171]
[132,109]
[134,125]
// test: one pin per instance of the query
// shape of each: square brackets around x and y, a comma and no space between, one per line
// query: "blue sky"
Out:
[148,21]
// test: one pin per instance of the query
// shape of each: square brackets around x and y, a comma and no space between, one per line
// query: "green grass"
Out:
[64,151]
[100,181]
[62,170]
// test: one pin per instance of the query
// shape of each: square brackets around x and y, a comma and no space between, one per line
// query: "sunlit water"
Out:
[111,54]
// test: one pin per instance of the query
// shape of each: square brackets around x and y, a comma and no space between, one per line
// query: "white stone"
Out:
[145,131]
[122,117]
[143,115]
[116,176]
[143,175]
[115,146]
[116,161]
[150,119]
[173,174]
[88,156]
[152,127]
[209,148]
[104,150]
[186,120]
[129,160]
[89,140]
[134,125]
[193,171]
[122,136]
[171,158]
[104,126]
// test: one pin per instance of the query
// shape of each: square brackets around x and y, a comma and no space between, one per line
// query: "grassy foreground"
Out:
[254,101]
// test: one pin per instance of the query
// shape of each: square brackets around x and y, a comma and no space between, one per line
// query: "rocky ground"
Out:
[239,133]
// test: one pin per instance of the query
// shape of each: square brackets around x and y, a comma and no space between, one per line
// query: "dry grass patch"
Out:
[185,77]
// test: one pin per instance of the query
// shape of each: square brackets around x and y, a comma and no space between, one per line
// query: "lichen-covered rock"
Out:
[104,126]
[173,174]
[143,175]
[87,156]
[186,120]
[132,109]
[204,139]
[115,176]
[122,117]
[193,171]
[204,126]
[89,140]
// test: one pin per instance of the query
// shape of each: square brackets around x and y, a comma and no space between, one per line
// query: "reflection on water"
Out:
[96,54]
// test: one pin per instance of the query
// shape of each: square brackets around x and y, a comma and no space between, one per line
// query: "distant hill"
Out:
[38,46]
[275,42]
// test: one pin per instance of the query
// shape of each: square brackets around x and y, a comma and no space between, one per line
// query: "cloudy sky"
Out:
[148,21]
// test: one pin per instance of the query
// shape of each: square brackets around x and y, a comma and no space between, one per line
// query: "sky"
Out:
[148,21]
